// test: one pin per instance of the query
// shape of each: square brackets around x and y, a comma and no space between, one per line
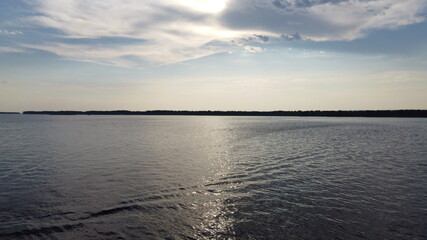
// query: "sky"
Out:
[259,55]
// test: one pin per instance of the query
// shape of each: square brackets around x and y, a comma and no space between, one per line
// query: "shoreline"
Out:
[10,113]
[339,113]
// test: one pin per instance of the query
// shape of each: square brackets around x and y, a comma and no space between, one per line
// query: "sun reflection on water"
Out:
[216,215]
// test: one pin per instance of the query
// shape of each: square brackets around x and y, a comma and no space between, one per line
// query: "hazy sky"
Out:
[213,54]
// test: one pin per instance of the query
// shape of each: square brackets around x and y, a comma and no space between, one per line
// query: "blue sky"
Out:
[213,54]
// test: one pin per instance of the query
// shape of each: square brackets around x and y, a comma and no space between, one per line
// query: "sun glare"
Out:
[209,6]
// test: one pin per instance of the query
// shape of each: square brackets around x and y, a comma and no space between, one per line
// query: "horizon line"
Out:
[331,113]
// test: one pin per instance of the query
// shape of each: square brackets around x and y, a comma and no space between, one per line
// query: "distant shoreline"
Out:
[358,113]
[9,113]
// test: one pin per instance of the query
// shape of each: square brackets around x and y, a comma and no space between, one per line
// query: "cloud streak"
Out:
[10,50]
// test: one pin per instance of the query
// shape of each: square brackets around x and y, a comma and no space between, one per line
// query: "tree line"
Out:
[316,113]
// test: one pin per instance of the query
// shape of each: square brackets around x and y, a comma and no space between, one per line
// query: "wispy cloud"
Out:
[165,32]
[10,32]
[172,31]
[10,50]
[405,77]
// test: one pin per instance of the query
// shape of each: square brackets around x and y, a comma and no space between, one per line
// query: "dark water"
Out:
[147,177]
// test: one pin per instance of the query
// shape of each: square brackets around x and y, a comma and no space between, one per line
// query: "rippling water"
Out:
[183,177]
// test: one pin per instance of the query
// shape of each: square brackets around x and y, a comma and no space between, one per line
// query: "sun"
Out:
[208,6]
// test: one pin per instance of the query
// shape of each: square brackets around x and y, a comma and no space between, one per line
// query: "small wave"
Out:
[131,208]
[62,214]
[116,210]
[42,231]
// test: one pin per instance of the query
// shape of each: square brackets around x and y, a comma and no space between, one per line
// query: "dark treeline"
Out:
[9,112]
[362,113]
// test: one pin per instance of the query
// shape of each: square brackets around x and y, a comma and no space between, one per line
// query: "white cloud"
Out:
[10,32]
[176,31]
[252,49]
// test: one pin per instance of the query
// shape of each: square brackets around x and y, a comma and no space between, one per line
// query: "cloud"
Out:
[400,77]
[292,4]
[169,32]
[263,38]
[252,49]
[255,38]
[128,55]
[10,32]
[322,20]
[10,50]
[134,33]
[291,37]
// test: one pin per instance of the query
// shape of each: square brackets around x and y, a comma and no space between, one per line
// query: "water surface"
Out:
[212,177]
